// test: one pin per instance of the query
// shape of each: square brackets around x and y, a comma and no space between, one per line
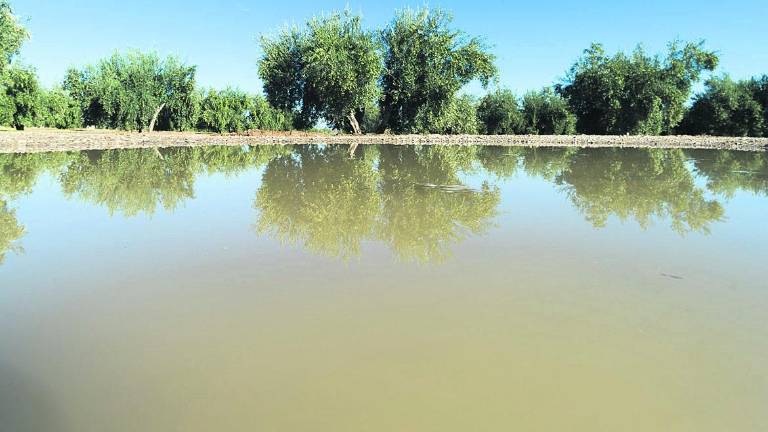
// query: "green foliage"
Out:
[126,90]
[22,96]
[459,117]
[499,114]
[637,94]
[327,70]
[18,174]
[10,230]
[727,108]
[231,110]
[759,88]
[12,35]
[410,198]
[58,110]
[132,181]
[642,185]
[547,113]
[426,63]
[728,172]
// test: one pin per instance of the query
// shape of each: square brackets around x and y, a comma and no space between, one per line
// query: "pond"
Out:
[384,288]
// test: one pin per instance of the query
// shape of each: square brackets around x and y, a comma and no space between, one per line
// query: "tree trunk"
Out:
[353,122]
[154,118]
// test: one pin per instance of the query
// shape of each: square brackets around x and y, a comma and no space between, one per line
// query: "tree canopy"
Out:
[635,94]
[232,110]
[326,70]
[12,35]
[730,108]
[130,91]
[499,113]
[426,62]
[22,96]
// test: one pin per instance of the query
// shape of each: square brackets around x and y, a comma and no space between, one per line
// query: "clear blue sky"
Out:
[535,41]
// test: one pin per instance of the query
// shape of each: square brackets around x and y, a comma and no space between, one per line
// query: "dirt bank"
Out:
[45,140]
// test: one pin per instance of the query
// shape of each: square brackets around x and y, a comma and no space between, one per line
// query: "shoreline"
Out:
[47,140]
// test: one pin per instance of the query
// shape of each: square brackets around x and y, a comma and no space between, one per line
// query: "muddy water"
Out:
[399,288]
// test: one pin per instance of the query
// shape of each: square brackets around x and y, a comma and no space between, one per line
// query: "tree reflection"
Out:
[410,198]
[730,171]
[18,174]
[132,181]
[640,185]
[426,207]
[320,197]
[413,199]
[10,231]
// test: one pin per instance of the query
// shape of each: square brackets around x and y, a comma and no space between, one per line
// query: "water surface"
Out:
[386,288]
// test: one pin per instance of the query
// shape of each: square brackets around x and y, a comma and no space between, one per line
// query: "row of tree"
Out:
[405,78]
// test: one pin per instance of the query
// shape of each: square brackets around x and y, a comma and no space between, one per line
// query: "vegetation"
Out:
[231,110]
[729,108]
[405,78]
[22,97]
[426,63]
[636,94]
[326,71]
[12,35]
[130,91]
[499,114]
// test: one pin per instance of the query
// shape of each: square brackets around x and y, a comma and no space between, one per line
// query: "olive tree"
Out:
[635,94]
[22,96]
[499,114]
[326,70]
[546,113]
[130,91]
[232,110]
[426,63]
[58,109]
[12,35]
[727,108]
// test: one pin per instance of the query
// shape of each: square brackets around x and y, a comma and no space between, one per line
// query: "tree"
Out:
[12,35]
[327,70]
[232,110]
[546,113]
[759,88]
[23,91]
[725,108]
[499,114]
[58,110]
[131,91]
[459,117]
[637,94]
[426,63]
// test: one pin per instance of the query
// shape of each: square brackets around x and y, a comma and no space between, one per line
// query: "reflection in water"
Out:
[426,207]
[331,199]
[639,185]
[728,171]
[321,197]
[18,174]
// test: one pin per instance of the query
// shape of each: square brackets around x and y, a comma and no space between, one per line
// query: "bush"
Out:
[499,114]
[726,108]
[546,113]
[58,110]
[22,96]
[232,110]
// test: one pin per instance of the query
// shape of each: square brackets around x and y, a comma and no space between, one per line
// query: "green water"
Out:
[385,288]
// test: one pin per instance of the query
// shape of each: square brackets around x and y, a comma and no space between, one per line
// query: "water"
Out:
[400,289]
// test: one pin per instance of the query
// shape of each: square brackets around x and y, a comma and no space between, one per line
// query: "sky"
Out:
[535,41]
